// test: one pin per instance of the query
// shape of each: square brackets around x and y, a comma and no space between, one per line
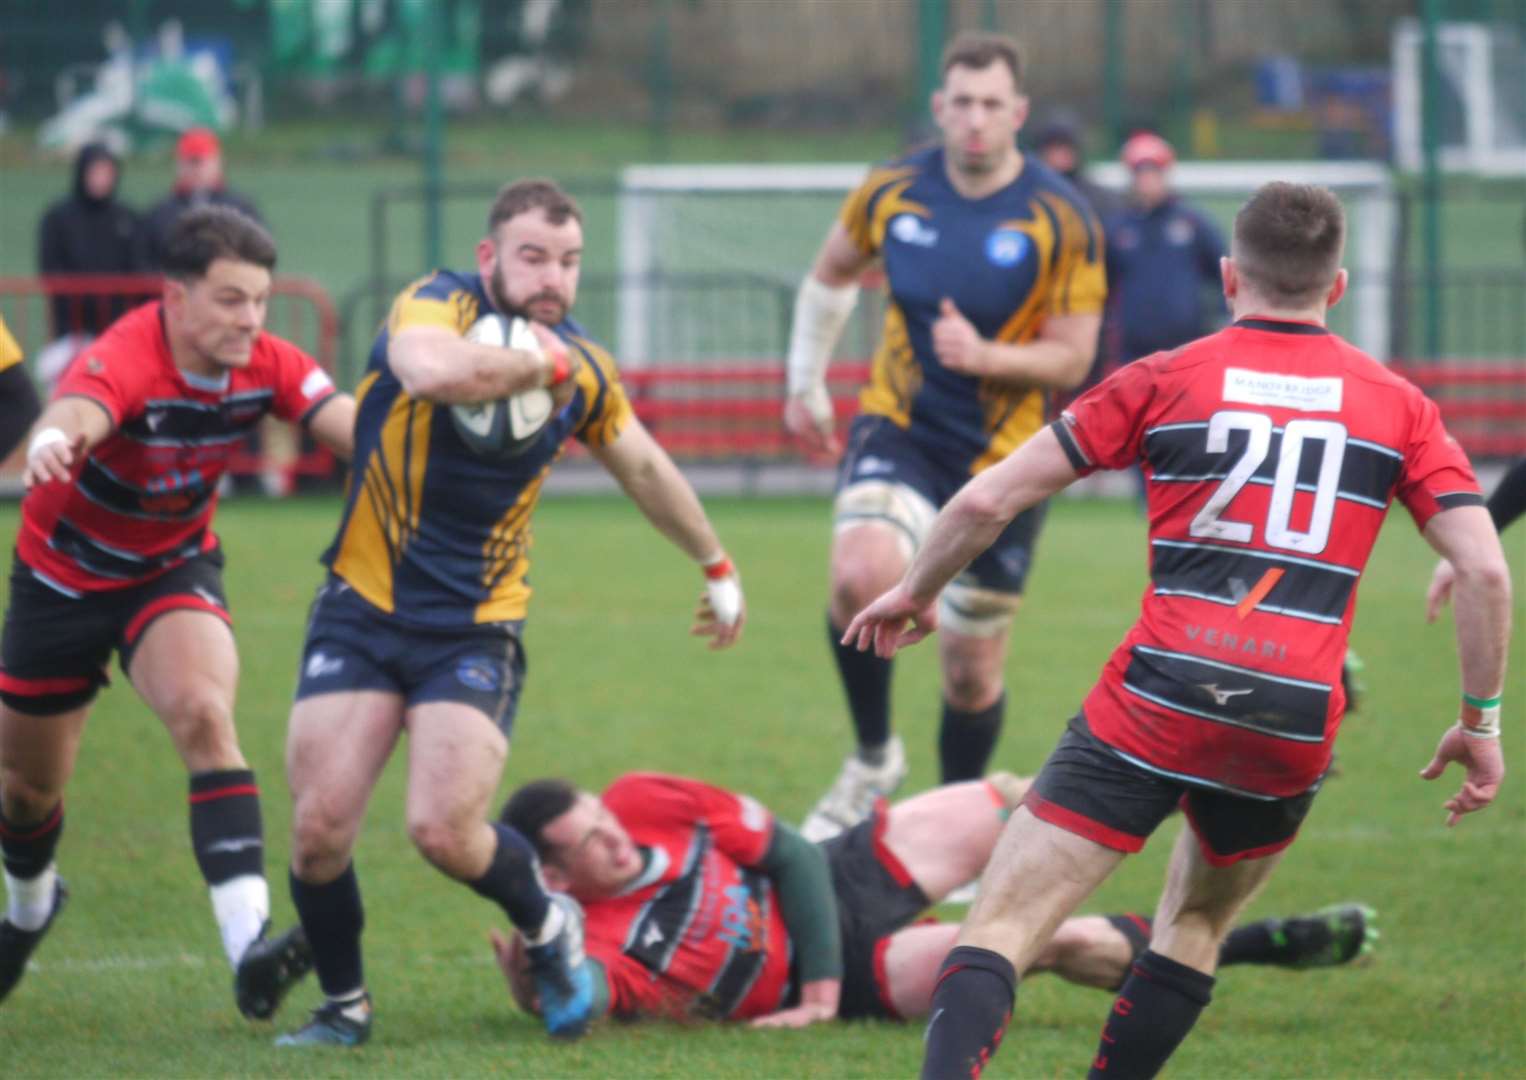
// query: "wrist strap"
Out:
[46,437]
[1483,703]
[718,567]
[561,368]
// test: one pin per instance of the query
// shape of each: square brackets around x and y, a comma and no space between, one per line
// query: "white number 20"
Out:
[1210,522]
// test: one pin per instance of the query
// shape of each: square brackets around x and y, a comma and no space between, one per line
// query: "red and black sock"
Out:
[512,882]
[972,1005]
[866,681]
[28,846]
[226,833]
[966,740]
[1152,1014]
[333,917]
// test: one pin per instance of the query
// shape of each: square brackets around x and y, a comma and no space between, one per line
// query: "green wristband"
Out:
[1483,703]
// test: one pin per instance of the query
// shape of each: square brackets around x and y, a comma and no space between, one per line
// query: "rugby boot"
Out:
[17,945]
[853,794]
[333,1024]
[562,979]
[268,969]
[1332,936]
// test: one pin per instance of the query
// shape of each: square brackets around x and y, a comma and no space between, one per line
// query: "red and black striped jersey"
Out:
[142,500]
[1272,451]
[699,932]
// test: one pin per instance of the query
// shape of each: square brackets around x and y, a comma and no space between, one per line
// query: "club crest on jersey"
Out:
[1006,247]
[910,229]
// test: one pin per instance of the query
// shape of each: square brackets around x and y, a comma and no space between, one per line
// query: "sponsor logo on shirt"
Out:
[910,229]
[1007,247]
[1283,391]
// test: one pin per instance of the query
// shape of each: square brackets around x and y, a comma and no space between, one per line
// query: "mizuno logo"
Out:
[206,594]
[869,465]
[153,420]
[319,665]
[1221,697]
[651,936]
[236,843]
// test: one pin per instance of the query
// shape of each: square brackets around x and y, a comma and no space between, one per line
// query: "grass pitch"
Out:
[132,979]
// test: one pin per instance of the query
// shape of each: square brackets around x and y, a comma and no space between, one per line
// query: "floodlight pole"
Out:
[434,135]
[1431,14]
[932,25]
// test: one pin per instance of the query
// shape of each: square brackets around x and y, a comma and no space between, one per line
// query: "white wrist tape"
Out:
[1488,726]
[821,313]
[46,437]
[725,596]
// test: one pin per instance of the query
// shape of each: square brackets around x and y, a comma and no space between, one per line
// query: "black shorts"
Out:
[56,646]
[1088,788]
[875,897]
[879,450]
[354,645]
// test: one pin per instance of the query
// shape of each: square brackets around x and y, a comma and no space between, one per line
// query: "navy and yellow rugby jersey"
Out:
[431,532]
[1030,250]
[10,352]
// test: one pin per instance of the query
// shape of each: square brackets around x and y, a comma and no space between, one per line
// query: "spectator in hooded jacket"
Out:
[87,232]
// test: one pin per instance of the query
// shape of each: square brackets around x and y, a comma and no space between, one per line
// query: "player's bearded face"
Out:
[219,315]
[980,112]
[532,266]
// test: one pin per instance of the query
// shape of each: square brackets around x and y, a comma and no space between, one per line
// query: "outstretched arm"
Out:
[1465,537]
[664,495]
[969,524]
[333,425]
[68,430]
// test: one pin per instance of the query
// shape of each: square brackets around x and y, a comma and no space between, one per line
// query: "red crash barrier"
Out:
[1482,402]
[41,310]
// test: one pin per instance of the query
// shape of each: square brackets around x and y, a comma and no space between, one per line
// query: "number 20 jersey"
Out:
[1272,451]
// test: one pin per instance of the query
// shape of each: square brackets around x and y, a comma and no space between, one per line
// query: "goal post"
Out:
[767,222]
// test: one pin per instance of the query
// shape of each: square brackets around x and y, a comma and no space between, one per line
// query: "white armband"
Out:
[821,313]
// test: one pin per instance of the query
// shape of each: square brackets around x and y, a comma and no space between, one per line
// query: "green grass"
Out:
[132,982]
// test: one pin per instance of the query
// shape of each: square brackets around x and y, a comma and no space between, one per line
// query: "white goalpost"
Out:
[765,222]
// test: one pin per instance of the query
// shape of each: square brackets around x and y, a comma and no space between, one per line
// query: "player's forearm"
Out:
[74,416]
[803,884]
[1049,365]
[1481,597]
[450,370]
[1509,499]
[663,495]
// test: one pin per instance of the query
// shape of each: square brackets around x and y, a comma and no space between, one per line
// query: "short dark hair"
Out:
[201,236]
[1288,240]
[536,805]
[978,49]
[536,194]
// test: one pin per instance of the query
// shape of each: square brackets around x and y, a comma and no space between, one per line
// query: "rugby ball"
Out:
[505,428]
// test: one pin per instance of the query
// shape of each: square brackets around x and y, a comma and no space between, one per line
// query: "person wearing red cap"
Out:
[1162,257]
[199,181]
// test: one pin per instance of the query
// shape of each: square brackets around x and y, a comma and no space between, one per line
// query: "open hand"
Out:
[1485,766]
[892,622]
[809,419]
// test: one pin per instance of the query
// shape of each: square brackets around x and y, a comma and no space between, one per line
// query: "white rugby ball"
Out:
[509,426]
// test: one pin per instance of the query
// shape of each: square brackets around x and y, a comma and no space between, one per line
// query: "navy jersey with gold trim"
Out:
[432,533]
[1031,250]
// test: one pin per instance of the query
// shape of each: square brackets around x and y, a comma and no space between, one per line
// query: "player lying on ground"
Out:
[698,902]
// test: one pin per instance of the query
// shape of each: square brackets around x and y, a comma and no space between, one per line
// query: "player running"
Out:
[419,626]
[1271,452]
[117,554]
